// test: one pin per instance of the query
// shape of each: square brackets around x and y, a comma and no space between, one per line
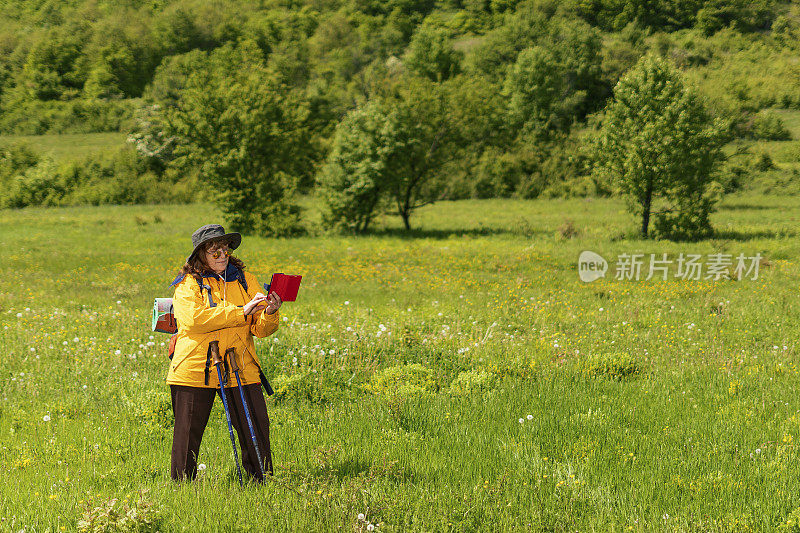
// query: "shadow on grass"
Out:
[355,467]
[402,233]
[743,207]
[744,236]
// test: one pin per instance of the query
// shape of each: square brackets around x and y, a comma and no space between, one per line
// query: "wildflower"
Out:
[119,302]
[521,420]
[19,315]
[601,309]
[294,361]
[370,527]
[530,417]
[46,418]
[201,467]
[65,343]
[346,302]
[76,339]
[361,516]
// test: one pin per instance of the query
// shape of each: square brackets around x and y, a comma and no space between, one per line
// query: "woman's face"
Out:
[221,250]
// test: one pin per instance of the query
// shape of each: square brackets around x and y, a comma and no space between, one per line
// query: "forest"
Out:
[426,100]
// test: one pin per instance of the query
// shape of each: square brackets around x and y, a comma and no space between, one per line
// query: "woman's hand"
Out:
[255,305]
[274,302]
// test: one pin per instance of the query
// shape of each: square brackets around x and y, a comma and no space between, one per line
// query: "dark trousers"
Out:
[192,407]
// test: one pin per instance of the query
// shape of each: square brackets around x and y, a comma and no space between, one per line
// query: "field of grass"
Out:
[528,400]
[68,145]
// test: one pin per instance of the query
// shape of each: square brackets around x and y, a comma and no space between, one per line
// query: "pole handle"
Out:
[230,355]
[215,357]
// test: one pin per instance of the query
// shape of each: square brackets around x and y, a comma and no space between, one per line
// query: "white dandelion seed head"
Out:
[361,516]
[521,420]
[530,417]
[46,418]
[201,467]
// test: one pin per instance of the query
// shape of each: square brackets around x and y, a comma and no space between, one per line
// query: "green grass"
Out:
[695,377]
[68,146]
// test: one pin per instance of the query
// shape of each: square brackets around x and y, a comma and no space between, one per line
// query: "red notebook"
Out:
[286,285]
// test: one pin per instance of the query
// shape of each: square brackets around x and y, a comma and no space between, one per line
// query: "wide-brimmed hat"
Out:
[213,232]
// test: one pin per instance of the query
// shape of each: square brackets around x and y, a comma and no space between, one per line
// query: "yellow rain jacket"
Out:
[215,312]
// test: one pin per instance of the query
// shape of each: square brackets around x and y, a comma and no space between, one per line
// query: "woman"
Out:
[216,300]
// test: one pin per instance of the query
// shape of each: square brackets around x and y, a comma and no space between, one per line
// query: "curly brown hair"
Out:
[196,265]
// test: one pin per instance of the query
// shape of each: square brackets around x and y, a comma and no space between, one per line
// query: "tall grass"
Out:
[689,422]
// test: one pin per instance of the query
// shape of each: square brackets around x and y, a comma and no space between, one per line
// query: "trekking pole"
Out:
[217,361]
[235,368]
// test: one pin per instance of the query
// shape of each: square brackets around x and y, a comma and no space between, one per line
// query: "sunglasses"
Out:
[217,252]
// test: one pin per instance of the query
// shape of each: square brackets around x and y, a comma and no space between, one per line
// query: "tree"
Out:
[431,54]
[421,145]
[353,179]
[660,147]
[535,88]
[388,154]
[245,128]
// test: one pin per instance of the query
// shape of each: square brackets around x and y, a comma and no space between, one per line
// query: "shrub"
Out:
[472,381]
[153,409]
[402,380]
[614,365]
[768,126]
[139,516]
[296,387]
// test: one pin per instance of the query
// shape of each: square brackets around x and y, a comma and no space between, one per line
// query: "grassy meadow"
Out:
[460,378]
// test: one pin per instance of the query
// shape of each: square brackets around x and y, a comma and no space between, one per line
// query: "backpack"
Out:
[164,314]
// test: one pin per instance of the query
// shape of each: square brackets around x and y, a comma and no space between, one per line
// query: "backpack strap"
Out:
[208,363]
[264,381]
[242,280]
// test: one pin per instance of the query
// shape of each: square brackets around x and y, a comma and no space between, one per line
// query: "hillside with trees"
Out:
[376,106]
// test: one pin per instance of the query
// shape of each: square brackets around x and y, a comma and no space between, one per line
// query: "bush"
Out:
[139,516]
[154,409]
[472,381]
[297,387]
[402,381]
[614,365]
[35,117]
[120,177]
[768,126]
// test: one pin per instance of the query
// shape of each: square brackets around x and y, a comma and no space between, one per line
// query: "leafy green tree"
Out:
[245,128]
[536,88]
[354,178]
[389,154]
[659,145]
[422,146]
[431,54]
